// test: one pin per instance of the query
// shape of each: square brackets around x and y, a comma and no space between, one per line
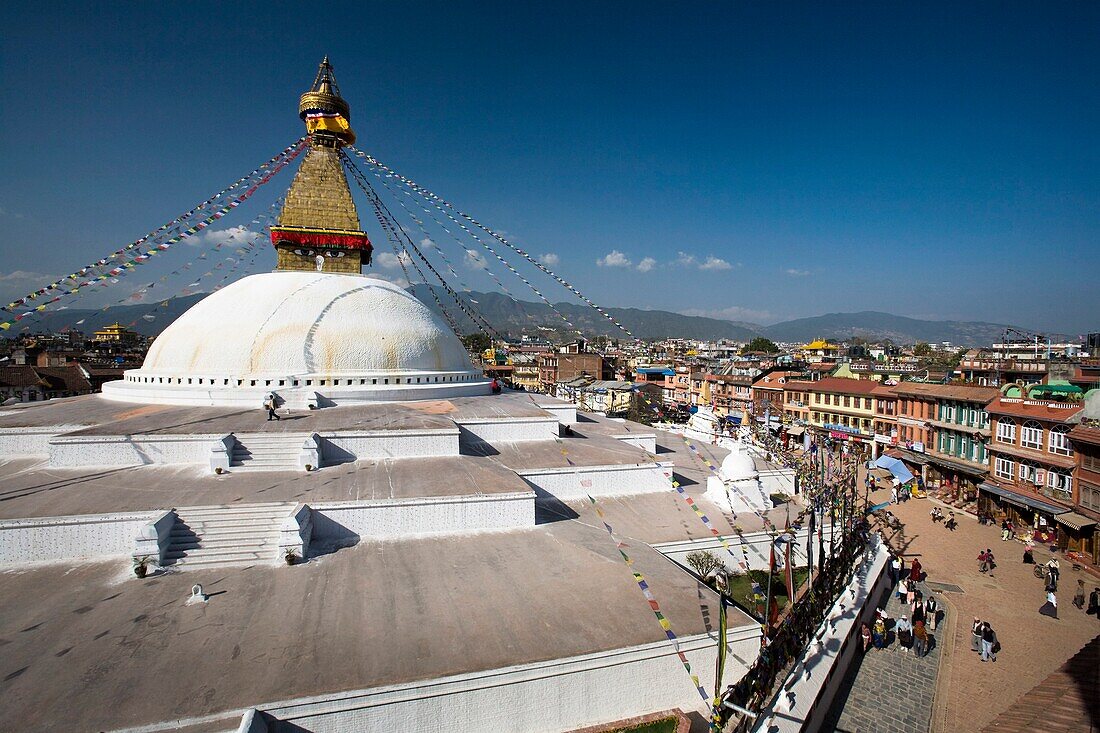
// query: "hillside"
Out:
[876,325]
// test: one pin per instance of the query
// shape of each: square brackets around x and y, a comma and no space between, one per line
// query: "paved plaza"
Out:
[971,694]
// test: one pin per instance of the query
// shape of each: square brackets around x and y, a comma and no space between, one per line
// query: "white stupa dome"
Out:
[347,338]
[739,465]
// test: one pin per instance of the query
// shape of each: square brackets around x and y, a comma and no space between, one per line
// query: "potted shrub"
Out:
[291,556]
[141,566]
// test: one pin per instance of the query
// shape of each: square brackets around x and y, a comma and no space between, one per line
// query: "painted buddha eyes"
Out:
[302,252]
[305,252]
[335,253]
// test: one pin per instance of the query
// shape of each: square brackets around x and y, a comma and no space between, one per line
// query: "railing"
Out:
[758,688]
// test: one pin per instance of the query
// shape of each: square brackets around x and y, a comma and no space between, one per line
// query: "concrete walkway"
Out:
[888,689]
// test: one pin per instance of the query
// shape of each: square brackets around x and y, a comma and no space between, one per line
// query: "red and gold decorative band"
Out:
[321,237]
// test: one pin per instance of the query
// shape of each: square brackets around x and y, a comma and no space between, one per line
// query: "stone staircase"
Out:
[267,452]
[206,536]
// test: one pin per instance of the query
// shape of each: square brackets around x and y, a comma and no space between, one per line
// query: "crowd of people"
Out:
[913,629]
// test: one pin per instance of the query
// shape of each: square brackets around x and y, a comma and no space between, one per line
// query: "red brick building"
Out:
[1083,524]
[1032,461]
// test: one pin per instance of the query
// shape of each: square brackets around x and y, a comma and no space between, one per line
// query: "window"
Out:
[977,452]
[1031,436]
[1027,471]
[948,413]
[1091,461]
[847,401]
[1090,496]
[1061,483]
[1057,442]
[1004,468]
[1006,431]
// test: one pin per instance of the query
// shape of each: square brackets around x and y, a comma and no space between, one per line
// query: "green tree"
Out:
[761,344]
[476,343]
[922,349]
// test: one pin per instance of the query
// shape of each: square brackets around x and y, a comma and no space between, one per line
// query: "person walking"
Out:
[914,571]
[1079,596]
[269,405]
[989,639]
[1055,569]
[983,561]
[865,634]
[1004,530]
[894,495]
[931,608]
[904,630]
[916,608]
[976,635]
[1094,603]
[920,639]
[1050,608]
[903,590]
[895,570]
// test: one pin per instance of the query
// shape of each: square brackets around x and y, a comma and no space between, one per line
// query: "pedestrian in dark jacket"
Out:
[989,640]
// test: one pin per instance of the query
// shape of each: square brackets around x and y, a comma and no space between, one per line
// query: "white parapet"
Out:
[562,694]
[507,429]
[577,482]
[645,441]
[69,538]
[348,521]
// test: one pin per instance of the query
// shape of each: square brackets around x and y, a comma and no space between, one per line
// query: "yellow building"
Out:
[819,350]
[116,333]
[843,409]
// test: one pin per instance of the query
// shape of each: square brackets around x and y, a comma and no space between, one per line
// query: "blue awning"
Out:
[1021,500]
[896,467]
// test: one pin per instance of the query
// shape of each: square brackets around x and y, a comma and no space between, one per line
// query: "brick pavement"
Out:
[888,689]
[972,694]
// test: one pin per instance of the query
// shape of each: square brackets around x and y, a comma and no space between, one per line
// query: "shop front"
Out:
[1078,534]
[1023,511]
[955,479]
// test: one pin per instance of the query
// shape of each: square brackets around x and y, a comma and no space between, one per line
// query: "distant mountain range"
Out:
[513,317]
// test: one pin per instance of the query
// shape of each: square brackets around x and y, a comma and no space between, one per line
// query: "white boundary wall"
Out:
[544,697]
[63,538]
[645,441]
[815,679]
[344,446]
[130,450]
[508,429]
[20,442]
[392,518]
[566,412]
[617,480]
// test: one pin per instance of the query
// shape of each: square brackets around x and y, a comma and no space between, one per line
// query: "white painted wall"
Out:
[437,515]
[339,447]
[545,697]
[581,481]
[508,430]
[564,411]
[828,658]
[62,538]
[647,442]
[128,450]
[20,442]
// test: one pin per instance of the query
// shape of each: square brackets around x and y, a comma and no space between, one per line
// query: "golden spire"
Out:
[318,227]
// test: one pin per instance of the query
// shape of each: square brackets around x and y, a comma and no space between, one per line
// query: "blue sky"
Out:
[735,159]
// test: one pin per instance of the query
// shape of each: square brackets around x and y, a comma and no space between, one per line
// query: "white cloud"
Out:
[549,259]
[391,261]
[614,258]
[18,283]
[734,313]
[237,235]
[427,243]
[796,273]
[647,264]
[476,260]
[684,259]
[715,263]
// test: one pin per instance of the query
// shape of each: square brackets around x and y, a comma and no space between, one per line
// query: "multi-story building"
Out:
[1082,525]
[678,387]
[796,402]
[731,394]
[961,433]
[1032,461]
[885,422]
[985,368]
[525,371]
[916,409]
[843,409]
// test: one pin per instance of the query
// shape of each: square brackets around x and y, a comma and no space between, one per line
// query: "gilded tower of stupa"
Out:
[318,228]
